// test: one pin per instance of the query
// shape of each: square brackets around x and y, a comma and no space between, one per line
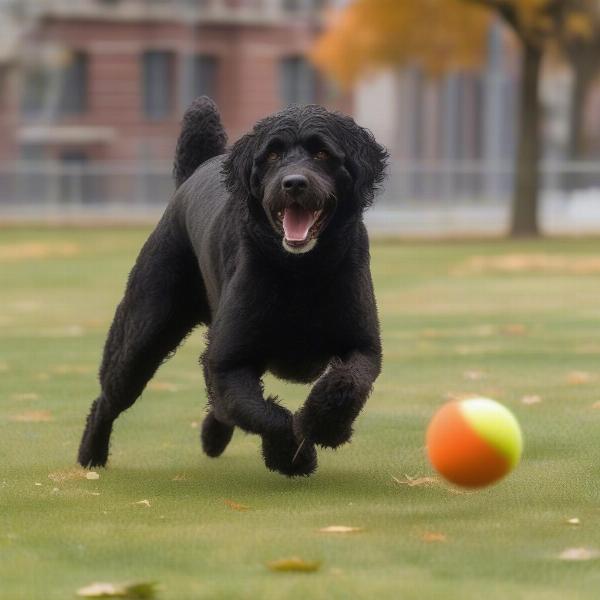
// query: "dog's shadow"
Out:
[240,478]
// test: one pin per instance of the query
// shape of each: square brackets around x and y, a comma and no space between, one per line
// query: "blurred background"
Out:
[490,108]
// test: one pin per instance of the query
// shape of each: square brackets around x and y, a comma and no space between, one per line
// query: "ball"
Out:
[474,442]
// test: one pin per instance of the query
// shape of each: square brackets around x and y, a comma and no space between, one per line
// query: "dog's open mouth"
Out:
[300,226]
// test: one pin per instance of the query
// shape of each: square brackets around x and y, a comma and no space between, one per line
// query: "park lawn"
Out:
[507,320]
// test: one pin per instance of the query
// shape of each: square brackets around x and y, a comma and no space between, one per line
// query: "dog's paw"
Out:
[215,436]
[324,429]
[327,416]
[284,454]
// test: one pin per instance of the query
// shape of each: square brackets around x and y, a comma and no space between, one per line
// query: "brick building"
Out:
[108,80]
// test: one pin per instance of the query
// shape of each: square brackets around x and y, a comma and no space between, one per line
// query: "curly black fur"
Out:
[303,310]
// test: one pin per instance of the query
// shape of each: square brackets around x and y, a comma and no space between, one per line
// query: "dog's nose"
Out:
[294,184]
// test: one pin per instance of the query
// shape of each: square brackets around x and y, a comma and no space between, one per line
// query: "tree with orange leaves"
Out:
[443,34]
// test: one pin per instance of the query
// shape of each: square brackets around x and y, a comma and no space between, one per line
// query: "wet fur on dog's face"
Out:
[302,170]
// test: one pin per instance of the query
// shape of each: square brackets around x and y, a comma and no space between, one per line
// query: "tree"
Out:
[442,34]
[580,44]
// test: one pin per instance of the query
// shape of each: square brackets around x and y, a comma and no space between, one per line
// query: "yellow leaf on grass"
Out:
[145,503]
[33,416]
[294,563]
[92,475]
[574,521]
[340,529]
[235,505]
[514,329]
[417,481]
[433,536]
[138,590]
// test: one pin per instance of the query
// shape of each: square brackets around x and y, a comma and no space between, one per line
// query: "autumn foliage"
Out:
[370,34]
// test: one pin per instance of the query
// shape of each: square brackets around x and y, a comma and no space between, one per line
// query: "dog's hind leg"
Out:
[163,301]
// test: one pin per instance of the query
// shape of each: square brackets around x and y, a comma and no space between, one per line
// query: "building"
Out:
[108,80]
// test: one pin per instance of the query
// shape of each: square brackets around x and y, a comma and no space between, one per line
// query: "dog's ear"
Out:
[366,160]
[237,167]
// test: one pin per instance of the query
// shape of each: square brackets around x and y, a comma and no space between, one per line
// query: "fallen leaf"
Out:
[431,333]
[139,590]
[92,475]
[417,481]
[236,506]
[578,377]
[529,400]
[514,329]
[429,482]
[33,416]
[143,503]
[576,554]
[574,521]
[68,474]
[195,424]
[340,529]
[432,536]
[596,405]
[37,483]
[294,563]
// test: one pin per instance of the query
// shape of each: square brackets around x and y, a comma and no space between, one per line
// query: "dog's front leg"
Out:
[336,399]
[238,400]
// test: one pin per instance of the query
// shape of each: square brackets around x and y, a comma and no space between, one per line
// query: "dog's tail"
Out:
[202,137]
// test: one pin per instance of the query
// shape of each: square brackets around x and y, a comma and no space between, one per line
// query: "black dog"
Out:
[265,245]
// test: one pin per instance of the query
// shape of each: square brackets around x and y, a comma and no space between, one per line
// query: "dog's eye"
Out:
[321,155]
[273,156]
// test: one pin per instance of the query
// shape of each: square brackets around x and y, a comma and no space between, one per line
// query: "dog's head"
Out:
[302,169]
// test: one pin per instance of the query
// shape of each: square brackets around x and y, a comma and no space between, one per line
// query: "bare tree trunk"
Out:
[525,201]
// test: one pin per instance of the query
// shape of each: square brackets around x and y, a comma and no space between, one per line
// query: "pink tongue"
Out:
[297,222]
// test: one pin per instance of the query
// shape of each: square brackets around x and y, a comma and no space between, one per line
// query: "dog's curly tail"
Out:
[202,137]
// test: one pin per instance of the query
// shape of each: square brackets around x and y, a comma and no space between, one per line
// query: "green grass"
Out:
[442,325]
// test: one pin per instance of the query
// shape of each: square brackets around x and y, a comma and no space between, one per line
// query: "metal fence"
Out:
[433,197]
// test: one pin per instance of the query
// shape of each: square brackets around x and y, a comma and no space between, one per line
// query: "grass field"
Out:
[518,322]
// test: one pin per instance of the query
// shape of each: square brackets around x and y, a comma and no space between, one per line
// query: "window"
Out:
[74,83]
[298,81]
[201,77]
[35,86]
[158,79]
[56,90]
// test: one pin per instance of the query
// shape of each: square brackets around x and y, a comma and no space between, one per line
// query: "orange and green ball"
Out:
[474,442]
